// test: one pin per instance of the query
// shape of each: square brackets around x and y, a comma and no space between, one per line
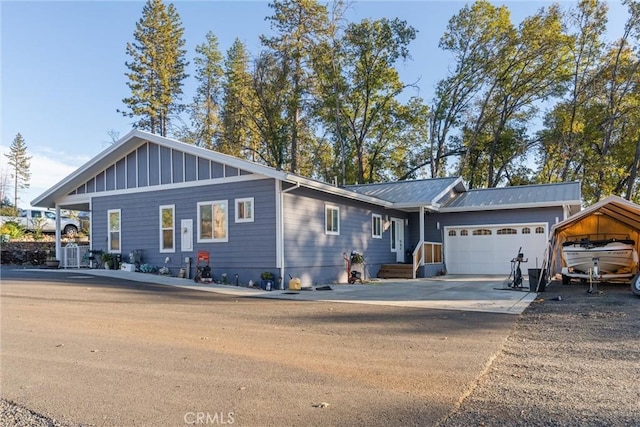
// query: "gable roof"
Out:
[439,194]
[125,145]
[613,207]
[414,193]
[516,197]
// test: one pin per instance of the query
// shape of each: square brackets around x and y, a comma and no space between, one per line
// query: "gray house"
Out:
[170,200]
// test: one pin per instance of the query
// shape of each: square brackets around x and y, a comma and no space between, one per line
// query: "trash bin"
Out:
[534,278]
[117,260]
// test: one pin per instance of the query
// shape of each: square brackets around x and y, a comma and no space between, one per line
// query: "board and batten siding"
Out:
[316,257]
[151,165]
[249,251]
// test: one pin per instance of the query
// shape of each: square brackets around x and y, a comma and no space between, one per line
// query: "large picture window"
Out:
[167,228]
[244,210]
[376,226]
[213,224]
[332,220]
[114,230]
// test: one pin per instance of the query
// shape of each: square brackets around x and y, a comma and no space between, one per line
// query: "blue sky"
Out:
[63,64]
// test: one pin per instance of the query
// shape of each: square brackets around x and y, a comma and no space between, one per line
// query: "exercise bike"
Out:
[515,276]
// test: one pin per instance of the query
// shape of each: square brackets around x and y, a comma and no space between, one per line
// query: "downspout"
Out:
[280,237]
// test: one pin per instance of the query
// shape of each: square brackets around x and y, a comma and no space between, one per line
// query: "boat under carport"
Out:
[612,216]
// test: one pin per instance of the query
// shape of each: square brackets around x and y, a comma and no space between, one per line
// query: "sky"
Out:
[62,65]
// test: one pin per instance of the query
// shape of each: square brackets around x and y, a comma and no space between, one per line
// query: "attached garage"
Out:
[489,249]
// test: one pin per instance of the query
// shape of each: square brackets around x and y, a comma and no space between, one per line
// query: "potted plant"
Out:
[51,262]
[267,281]
[107,259]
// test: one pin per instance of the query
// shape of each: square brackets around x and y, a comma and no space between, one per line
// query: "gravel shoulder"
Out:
[573,362]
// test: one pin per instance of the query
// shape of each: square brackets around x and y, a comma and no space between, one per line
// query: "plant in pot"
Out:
[51,261]
[267,281]
[107,260]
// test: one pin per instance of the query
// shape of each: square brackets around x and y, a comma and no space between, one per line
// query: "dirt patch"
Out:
[572,362]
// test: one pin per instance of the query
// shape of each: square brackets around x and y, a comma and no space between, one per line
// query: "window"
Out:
[167,228]
[452,232]
[212,222]
[507,231]
[464,233]
[113,225]
[244,210]
[539,230]
[526,230]
[376,226]
[332,220]
[482,232]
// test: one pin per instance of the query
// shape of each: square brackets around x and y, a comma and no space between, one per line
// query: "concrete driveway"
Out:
[454,292]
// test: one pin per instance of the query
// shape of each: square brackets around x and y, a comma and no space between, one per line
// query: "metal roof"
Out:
[410,193]
[521,196]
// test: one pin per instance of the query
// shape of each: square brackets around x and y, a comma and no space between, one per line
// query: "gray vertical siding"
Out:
[251,246]
[316,257]
[121,177]
[178,166]
[143,157]
[190,167]
[132,170]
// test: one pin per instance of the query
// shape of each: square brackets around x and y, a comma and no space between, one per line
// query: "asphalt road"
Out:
[102,351]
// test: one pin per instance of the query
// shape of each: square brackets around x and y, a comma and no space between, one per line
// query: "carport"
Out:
[613,217]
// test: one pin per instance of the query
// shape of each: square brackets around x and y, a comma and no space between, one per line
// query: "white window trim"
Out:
[173,228]
[109,248]
[326,222]
[373,228]
[244,201]
[213,239]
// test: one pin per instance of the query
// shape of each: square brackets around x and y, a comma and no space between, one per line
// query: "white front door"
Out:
[397,238]
[186,234]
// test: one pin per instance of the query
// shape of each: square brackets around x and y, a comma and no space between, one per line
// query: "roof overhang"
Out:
[512,206]
[58,194]
[613,207]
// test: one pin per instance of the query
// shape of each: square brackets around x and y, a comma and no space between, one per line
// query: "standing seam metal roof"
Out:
[517,195]
[416,192]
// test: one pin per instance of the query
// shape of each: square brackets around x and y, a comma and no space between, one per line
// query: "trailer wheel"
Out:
[565,279]
[635,285]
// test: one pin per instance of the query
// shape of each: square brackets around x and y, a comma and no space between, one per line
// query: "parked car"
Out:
[43,219]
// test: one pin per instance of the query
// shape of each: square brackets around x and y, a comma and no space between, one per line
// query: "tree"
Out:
[270,117]
[563,139]
[205,110]
[157,69]
[367,83]
[19,163]
[239,136]
[298,24]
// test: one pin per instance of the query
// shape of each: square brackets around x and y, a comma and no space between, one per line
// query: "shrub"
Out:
[13,230]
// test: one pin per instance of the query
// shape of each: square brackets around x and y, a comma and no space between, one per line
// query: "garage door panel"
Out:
[492,253]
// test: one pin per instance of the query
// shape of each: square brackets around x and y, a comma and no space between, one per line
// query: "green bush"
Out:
[13,230]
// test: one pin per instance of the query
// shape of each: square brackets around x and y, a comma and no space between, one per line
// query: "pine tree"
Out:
[205,110]
[239,136]
[298,25]
[19,162]
[157,69]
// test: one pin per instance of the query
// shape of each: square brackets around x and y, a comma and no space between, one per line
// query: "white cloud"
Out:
[47,169]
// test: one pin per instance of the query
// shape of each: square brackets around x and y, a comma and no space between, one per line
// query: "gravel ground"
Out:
[14,415]
[573,362]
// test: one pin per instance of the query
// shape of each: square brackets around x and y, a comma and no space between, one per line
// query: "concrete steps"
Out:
[395,271]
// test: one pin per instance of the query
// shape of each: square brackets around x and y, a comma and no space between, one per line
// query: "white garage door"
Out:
[489,249]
